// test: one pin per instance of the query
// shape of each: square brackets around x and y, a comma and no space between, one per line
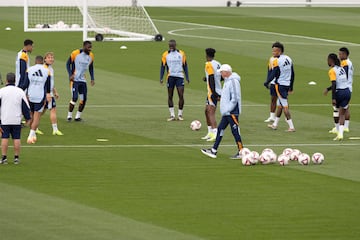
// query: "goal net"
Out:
[106,20]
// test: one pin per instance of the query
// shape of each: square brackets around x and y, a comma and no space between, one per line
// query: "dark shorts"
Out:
[79,88]
[13,130]
[211,100]
[343,97]
[36,107]
[272,90]
[175,81]
[52,104]
[282,91]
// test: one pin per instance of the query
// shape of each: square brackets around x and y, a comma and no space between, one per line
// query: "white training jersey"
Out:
[211,68]
[37,75]
[21,55]
[175,61]
[349,69]
[338,74]
[285,64]
[12,99]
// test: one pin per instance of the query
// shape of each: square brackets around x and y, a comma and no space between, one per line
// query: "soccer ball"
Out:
[294,156]
[265,158]
[273,157]
[247,159]
[287,151]
[244,151]
[195,125]
[283,159]
[256,157]
[304,159]
[267,150]
[317,158]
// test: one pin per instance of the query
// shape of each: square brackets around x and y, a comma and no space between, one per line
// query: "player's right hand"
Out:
[266,85]
[71,78]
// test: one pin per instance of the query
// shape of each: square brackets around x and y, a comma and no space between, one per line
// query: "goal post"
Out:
[106,20]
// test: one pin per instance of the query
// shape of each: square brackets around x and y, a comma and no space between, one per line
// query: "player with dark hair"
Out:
[174,62]
[341,94]
[283,73]
[78,63]
[212,78]
[271,86]
[22,62]
[13,104]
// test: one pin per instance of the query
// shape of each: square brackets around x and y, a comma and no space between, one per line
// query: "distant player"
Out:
[174,62]
[213,78]
[341,94]
[22,62]
[37,83]
[13,104]
[271,87]
[230,108]
[78,63]
[48,62]
[283,73]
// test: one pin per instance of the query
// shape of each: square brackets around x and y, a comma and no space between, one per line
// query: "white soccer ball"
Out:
[195,125]
[273,157]
[283,159]
[265,158]
[317,158]
[256,156]
[244,151]
[294,156]
[287,151]
[75,26]
[304,159]
[267,150]
[247,159]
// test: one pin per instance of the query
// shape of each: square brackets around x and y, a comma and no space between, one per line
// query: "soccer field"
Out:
[150,180]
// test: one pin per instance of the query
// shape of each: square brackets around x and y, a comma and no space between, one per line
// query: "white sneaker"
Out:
[180,118]
[269,120]
[273,127]
[212,137]
[206,137]
[171,118]
[209,153]
[334,131]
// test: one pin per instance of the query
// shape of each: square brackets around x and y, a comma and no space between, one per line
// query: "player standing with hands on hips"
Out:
[230,109]
[174,61]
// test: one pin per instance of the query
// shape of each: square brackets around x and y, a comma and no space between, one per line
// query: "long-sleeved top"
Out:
[230,102]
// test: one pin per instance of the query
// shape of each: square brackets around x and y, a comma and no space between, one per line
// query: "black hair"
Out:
[345,50]
[28,42]
[335,58]
[10,77]
[86,43]
[210,52]
[39,59]
[172,41]
[278,45]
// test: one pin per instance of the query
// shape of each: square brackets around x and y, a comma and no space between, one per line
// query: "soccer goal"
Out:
[106,20]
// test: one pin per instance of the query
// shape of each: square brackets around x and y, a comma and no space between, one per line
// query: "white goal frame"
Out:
[89,26]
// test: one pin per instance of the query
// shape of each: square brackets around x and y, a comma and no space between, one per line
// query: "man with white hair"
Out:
[230,108]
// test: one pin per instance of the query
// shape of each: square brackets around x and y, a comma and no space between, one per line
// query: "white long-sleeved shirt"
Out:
[13,104]
[230,102]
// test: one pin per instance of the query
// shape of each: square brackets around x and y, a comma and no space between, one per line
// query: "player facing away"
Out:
[49,59]
[271,87]
[341,94]
[349,69]
[13,104]
[22,62]
[284,76]
[230,108]
[78,63]
[212,78]
[174,62]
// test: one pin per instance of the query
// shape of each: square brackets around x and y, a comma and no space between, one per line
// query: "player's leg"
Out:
[53,118]
[4,143]
[170,88]
[234,123]
[38,109]
[83,97]
[347,120]
[180,89]
[16,135]
[273,99]
[74,98]
[342,101]
[220,133]
[212,119]
[335,130]
[208,123]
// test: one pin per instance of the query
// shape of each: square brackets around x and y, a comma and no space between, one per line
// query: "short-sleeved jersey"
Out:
[81,62]
[285,65]
[174,60]
[270,68]
[338,74]
[52,79]
[38,76]
[349,69]
[211,68]
[21,56]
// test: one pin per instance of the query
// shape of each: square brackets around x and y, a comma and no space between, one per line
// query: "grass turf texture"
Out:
[150,181]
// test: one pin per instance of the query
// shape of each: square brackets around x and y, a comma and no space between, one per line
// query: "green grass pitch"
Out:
[150,181]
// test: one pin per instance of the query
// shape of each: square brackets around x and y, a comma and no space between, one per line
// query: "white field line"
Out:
[251,31]
[198,105]
[189,145]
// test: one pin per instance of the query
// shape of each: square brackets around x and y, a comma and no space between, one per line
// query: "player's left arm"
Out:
[91,71]
[292,79]
[185,67]
[48,89]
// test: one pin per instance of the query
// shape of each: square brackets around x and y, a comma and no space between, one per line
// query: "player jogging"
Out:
[48,62]
[22,62]
[212,78]
[271,87]
[78,63]
[283,73]
[37,83]
[13,104]
[230,108]
[174,61]
[341,94]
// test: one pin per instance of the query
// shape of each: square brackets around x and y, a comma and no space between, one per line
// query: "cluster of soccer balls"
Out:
[268,156]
